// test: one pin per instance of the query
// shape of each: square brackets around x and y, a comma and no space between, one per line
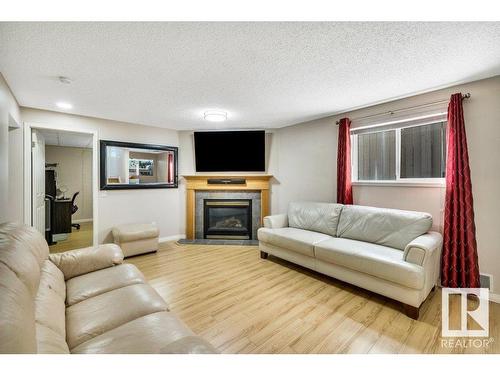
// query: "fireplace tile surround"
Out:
[246,187]
[200,197]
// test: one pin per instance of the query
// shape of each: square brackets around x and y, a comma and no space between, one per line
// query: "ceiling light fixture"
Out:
[64,105]
[215,116]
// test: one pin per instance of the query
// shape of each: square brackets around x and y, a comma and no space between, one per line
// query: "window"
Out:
[141,167]
[377,156]
[408,153]
[423,151]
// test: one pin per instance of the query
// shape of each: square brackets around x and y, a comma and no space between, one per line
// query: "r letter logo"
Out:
[479,314]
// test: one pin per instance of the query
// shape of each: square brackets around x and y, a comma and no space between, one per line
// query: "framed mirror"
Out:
[127,165]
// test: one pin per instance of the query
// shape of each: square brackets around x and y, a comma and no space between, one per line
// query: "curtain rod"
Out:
[464,96]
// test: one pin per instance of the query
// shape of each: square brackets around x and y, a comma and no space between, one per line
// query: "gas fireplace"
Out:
[229,219]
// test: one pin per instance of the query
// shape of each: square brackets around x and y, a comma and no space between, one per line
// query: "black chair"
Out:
[49,209]
[74,208]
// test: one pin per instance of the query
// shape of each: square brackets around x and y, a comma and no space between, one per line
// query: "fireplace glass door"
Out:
[228,219]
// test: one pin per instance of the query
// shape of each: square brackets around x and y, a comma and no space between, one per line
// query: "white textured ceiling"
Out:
[264,74]
[66,139]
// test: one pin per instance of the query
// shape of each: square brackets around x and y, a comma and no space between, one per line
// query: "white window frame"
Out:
[409,182]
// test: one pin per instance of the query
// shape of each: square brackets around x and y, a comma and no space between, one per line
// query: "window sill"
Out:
[441,183]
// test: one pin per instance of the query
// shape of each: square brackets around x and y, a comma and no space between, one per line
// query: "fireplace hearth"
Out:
[227,219]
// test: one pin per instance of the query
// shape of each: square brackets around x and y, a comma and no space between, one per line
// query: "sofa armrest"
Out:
[276,221]
[189,345]
[81,261]
[422,248]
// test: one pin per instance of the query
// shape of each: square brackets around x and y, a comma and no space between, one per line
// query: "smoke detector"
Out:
[65,80]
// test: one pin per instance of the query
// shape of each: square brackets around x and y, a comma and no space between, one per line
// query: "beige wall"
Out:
[317,165]
[303,160]
[123,206]
[74,170]
[11,166]
[187,167]
[307,170]
[306,164]
[16,175]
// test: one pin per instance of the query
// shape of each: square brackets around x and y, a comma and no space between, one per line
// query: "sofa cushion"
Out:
[94,316]
[298,240]
[23,251]
[78,262]
[314,216]
[382,226]
[148,334]
[49,341]
[92,284]
[50,310]
[17,314]
[376,260]
[189,345]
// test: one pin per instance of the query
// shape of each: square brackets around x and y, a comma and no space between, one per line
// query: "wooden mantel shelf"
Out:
[249,176]
[253,182]
[200,182]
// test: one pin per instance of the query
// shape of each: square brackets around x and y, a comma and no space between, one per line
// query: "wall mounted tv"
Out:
[230,151]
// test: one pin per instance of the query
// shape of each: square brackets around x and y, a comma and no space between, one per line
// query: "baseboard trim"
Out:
[79,221]
[175,237]
[495,297]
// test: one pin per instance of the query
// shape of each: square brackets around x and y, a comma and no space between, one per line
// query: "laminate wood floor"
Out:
[77,239]
[243,304]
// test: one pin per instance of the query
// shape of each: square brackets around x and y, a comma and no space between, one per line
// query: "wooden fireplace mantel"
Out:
[200,182]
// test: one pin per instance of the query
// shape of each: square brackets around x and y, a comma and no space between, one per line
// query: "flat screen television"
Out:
[230,151]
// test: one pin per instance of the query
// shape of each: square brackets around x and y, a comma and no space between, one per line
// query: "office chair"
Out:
[74,208]
[49,207]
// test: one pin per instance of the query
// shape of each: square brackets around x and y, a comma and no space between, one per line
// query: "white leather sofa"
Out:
[81,301]
[389,252]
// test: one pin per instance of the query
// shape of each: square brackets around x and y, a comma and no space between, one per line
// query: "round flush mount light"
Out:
[215,116]
[64,105]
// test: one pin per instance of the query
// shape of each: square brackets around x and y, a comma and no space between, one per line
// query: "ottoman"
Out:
[136,239]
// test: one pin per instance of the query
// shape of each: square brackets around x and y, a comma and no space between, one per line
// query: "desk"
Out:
[61,216]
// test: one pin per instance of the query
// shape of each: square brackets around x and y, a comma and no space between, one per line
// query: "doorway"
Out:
[61,186]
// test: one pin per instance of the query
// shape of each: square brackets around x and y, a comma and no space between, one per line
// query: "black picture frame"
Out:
[102,164]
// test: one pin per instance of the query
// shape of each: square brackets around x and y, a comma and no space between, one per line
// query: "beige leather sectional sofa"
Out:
[81,301]
[390,252]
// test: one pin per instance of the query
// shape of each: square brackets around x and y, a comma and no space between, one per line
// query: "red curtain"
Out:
[459,264]
[344,190]
[170,168]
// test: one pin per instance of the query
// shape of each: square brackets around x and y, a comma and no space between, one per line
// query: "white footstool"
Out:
[136,239]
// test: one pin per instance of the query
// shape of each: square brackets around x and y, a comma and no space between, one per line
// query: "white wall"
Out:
[11,208]
[317,164]
[74,171]
[306,166]
[123,206]
[117,163]
[187,167]
[426,199]
[16,175]
[302,158]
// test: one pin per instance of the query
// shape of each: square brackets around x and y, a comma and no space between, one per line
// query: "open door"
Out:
[38,181]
